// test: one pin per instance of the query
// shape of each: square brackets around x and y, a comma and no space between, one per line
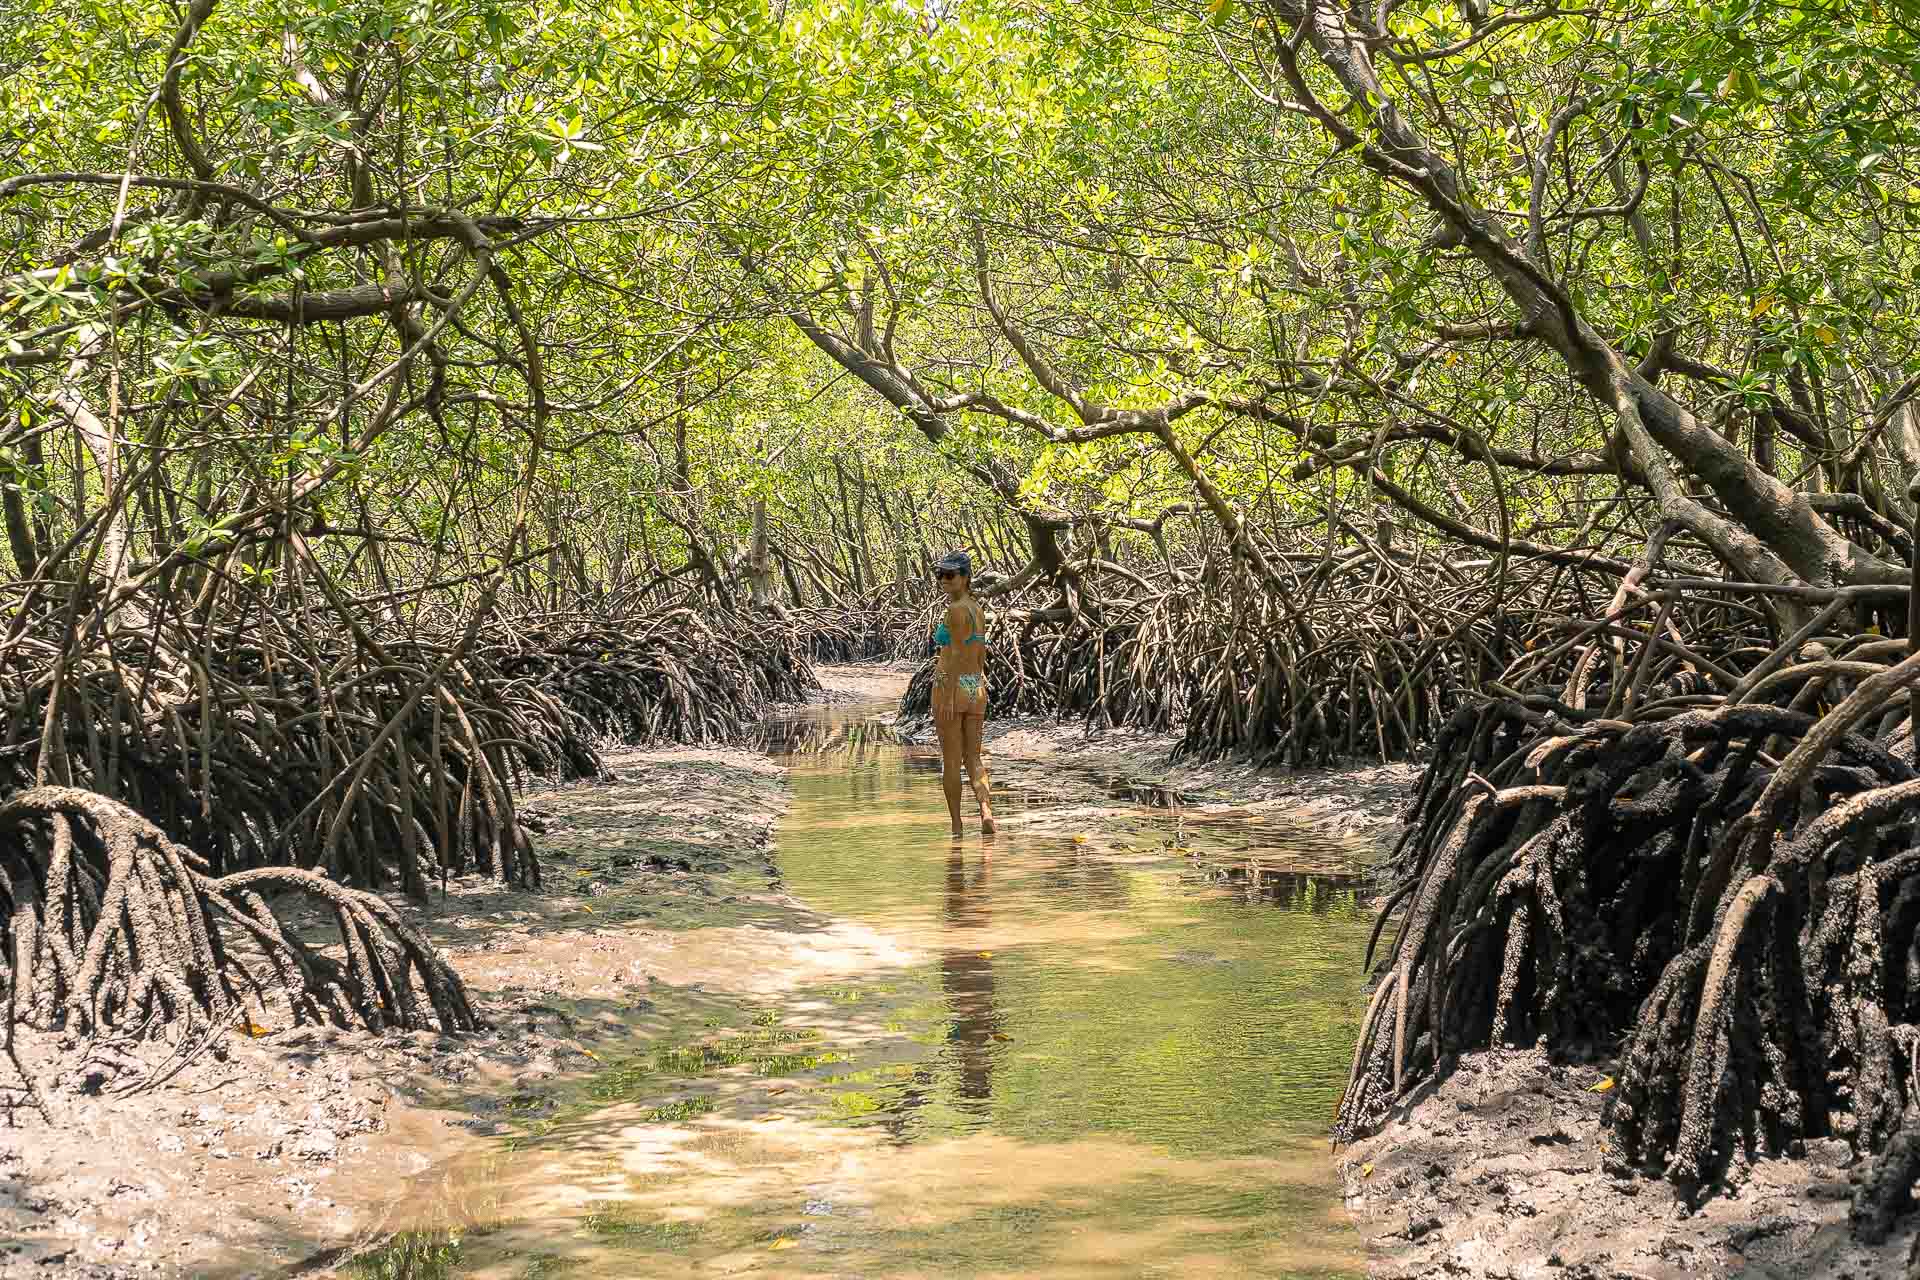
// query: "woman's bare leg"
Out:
[952,744]
[973,727]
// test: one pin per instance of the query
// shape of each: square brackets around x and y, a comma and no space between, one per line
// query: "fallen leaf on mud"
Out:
[591,1054]
[1366,1170]
[986,955]
[777,1089]
[1080,839]
[1001,1035]
[255,1030]
[584,907]
[784,1242]
[1606,1083]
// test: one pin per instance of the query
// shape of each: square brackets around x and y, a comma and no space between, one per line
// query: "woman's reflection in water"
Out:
[966,975]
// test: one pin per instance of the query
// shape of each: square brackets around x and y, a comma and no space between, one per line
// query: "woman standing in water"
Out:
[960,688]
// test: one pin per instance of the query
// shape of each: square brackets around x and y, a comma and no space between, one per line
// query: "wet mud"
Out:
[1500,1173]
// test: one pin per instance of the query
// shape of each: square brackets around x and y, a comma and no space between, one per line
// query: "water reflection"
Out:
[966,976]
[1098,1058]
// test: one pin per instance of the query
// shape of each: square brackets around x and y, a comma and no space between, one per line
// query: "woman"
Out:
[960,688]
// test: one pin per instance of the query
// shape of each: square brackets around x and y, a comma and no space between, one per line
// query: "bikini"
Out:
[968,685]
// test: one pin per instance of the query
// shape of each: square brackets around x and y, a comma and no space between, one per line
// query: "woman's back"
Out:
[963,637]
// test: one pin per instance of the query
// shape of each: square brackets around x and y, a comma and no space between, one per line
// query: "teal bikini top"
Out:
[942,636]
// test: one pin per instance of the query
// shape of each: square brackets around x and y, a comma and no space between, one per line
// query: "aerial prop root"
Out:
[106,923]
[1729,893]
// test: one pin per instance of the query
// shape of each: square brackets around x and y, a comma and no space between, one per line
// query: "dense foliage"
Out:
[397,395]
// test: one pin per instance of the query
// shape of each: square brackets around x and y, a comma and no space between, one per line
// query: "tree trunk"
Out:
[760,561]
[1773,534]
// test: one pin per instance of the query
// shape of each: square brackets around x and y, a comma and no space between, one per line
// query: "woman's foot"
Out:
[958,831]
[987,825]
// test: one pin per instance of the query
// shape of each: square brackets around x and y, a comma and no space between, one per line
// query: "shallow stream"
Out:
[1112,1047]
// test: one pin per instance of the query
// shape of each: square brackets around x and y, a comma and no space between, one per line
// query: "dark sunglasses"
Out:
[944,574]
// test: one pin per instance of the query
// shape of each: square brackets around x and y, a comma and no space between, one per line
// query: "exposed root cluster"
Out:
[1364,656]
[1713,864]
[883,631]
[678,674]
[107,925]
[384,763]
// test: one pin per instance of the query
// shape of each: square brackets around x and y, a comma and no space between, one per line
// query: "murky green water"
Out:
[1101,1055]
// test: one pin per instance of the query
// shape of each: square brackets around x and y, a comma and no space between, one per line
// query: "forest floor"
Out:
[1499,1173]
[280,1154]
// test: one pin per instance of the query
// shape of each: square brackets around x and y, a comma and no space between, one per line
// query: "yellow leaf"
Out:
[591,1054]
[584,907]
[986,955]
[1002,1036]
[1763,305]
[1606,1083]
[1731,83]
[1080,839]
[784,1242]
[255,1030]
[1366,1170]
[1826,334]
[583,873]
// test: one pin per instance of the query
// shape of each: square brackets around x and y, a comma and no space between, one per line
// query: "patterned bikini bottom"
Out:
[964,695]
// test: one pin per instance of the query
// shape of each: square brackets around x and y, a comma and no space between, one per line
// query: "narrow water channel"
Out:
[1112,1049]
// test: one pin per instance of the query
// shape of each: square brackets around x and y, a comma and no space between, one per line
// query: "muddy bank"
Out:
[1500,1172]
[279,1148]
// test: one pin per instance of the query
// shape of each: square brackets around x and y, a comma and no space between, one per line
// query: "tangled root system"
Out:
[1717,869]
[1364,656]
[109,926]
